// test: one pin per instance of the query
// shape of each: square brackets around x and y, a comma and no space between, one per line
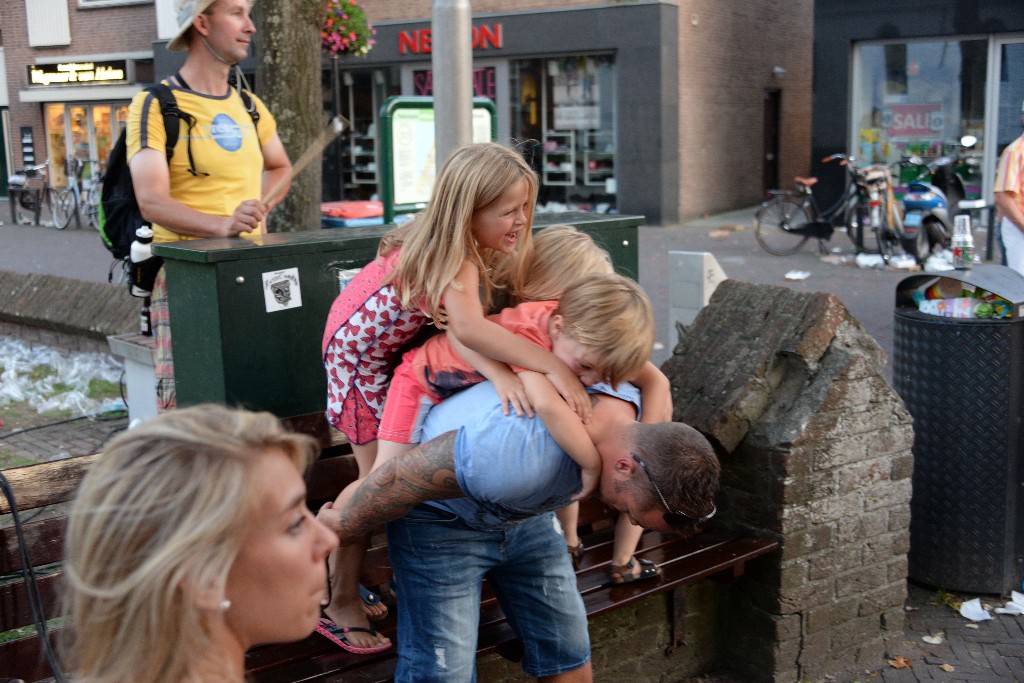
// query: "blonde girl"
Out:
[444,267]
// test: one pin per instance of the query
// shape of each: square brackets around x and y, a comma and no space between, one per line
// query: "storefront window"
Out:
[83,131]
[563,112]
[919,99]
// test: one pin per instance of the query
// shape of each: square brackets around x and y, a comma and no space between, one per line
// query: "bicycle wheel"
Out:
[774,222]
[62,206]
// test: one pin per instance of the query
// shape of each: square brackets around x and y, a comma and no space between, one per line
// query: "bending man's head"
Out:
[668,479]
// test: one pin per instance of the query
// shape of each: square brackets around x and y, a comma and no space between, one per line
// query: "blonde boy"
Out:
[603,329]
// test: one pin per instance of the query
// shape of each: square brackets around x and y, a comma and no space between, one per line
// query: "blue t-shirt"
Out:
[509,467]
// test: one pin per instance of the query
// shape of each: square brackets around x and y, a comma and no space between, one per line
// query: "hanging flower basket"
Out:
[346,30]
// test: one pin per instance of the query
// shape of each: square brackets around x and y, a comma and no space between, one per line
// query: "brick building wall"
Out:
[94,31]
[726,53]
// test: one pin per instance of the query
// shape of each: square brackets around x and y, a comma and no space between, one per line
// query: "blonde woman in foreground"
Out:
[189,542]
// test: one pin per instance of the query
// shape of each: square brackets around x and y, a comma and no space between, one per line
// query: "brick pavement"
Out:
[51,441]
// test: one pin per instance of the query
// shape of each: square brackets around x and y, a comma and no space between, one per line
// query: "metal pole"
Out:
[452,63]
[336,96]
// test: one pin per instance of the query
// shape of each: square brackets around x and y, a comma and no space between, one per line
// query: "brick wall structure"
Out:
[816,451]
[727,50]
[94,31]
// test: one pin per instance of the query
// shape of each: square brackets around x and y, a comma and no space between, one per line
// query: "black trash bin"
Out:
[961,380]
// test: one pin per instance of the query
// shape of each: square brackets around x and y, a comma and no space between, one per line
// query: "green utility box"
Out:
[247,317]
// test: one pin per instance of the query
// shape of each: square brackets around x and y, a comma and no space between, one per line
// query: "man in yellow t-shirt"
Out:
[222,163]
[1009,197]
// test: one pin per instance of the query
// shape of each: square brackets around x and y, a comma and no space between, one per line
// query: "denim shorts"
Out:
[439,564]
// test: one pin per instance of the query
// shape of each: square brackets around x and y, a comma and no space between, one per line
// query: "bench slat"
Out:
[46,483]
[45,540]
[14,606]
[23,658]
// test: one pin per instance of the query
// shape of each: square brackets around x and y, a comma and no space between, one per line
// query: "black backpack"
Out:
[119,214]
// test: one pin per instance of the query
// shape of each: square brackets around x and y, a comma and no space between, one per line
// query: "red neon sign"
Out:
[420,41]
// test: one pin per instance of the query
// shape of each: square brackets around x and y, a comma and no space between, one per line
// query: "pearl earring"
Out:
[224,605]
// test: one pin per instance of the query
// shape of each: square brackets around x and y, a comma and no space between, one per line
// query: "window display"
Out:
[919,99]
[563,111]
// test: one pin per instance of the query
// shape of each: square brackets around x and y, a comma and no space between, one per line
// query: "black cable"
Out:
[35,600]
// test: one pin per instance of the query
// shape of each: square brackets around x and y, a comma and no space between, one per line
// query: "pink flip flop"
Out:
[336,634]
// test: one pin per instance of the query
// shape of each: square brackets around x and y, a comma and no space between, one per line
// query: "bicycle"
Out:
[74,201]
[789,218]
[29,189]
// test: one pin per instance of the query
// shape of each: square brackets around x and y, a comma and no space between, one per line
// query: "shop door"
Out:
[770,168]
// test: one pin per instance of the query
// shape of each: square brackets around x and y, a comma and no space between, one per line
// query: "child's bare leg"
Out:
[389,450]
[627,538]
[366,455]
[569,517]
[346,607]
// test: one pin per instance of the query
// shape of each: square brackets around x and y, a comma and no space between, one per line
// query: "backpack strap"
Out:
[250,107]
[172,118]
[169,110]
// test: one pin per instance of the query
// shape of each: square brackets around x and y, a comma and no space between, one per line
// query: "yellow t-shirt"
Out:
[226,148]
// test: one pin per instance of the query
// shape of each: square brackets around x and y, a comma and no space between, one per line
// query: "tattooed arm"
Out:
[427,472]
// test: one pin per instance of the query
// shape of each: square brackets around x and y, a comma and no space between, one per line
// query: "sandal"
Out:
[575,554]
[373,601]
[336,634]
[623,573]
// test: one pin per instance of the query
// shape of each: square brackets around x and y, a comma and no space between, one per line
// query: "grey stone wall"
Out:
[815,449]
[65,313]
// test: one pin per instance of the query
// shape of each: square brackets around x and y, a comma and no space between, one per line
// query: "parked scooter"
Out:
[932,199]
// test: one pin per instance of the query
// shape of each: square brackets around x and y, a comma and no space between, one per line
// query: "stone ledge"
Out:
[67,307]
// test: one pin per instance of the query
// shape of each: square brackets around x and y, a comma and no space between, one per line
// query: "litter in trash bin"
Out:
[797,275]
[972,609]
[1015,606]
[870,261]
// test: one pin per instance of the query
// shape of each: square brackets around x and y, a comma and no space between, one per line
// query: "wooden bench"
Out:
[714,553]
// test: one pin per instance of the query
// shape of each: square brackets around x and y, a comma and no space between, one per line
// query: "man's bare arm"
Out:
[427,472]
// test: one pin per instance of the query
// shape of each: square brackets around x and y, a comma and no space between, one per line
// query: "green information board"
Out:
[408,159]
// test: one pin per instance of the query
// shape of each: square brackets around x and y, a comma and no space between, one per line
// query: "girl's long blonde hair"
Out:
[437,242]
[159,518]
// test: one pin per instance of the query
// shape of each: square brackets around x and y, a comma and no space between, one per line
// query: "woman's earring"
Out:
[224,605]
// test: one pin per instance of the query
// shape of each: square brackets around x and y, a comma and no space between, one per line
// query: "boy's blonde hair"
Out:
[159,518]
[612,315]
[437,242]
[561,256]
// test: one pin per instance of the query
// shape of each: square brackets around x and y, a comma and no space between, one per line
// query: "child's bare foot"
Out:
[349,613]
[373,606]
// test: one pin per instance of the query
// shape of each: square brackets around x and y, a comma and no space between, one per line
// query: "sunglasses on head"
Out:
[673,518]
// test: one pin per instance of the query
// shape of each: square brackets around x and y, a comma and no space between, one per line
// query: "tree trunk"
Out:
[288,77]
